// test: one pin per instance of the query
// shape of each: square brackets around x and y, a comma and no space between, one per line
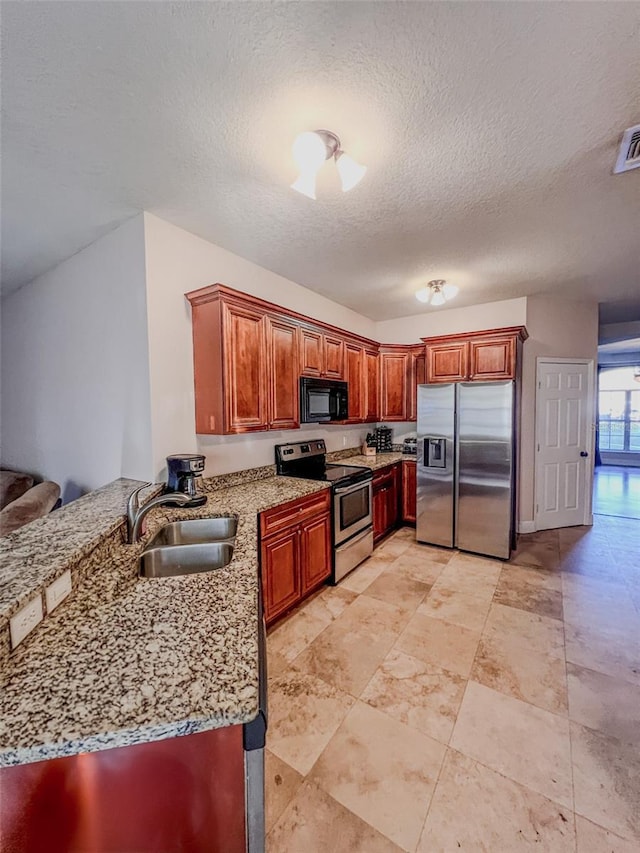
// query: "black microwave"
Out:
[323,400]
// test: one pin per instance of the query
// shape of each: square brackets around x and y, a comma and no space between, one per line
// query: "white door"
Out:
[563,444]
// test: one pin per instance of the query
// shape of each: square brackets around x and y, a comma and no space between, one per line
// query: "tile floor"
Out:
[437,701]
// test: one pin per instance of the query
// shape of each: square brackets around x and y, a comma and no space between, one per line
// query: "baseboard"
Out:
[526,527]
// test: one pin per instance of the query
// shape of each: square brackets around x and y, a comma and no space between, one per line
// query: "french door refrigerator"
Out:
[466,466]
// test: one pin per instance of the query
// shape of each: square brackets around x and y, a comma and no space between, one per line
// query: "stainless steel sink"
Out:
[173,560]
[195,531]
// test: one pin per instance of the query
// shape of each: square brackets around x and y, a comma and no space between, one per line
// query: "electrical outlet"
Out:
[58,590]
[25,620]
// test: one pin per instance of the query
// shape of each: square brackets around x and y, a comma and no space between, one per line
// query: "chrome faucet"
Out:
[136,514]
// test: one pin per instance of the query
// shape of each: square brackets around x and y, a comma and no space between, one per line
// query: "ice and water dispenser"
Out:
[434,452]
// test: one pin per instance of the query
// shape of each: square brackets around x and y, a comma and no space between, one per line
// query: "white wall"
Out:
[556,328]
[75,377]
[178,262]
[450,321]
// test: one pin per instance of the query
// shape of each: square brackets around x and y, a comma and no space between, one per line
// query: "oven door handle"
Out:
[362,484]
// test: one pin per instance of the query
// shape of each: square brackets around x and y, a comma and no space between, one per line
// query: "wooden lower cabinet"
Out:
[386,485]
[409,491]
[295,552]
[280,569]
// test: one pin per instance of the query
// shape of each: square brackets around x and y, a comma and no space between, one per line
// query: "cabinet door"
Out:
[354,375]
[372,386]
[315,552]
[333,357]
[393,403]
[282,345]
[393,497]
[408,490]
[310,352]
[417,376]
[379,512]
[493,359]
[448,362]
[280,569]
[245,390]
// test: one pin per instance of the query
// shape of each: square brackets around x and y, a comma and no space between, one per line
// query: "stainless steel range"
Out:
[352,502]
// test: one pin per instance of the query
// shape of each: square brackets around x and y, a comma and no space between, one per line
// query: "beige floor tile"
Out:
[539,633]
[281,783]
[533,575]
[419,694]
[520,672]
[383,771]
[392,548]
[515,590]
[304,713]
[418,567]
[397,589]
[470,566]
[360,578]
[333,600]
[602,606]
[349,651]
[543,552]
[611,651]
[610,705]
[477,810]
[315,823]
[459,608]
[431,552]
[435,641]
[294,634]
[595,839]
[525,743]
[606,780]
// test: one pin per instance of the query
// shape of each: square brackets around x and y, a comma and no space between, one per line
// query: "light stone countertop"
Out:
[128,660]
[380,460]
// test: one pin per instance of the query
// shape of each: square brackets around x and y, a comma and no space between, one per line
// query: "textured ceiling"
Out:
[490,131]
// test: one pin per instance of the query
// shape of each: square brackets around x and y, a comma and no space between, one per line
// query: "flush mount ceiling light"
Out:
[437,292]
[311,149]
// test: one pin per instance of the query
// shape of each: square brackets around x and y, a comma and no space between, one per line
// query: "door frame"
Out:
[591,429]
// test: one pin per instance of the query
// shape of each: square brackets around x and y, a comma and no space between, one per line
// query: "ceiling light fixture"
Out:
[437,292]
[311,149]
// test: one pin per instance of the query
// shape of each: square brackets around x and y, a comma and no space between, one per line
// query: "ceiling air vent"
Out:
[629,154]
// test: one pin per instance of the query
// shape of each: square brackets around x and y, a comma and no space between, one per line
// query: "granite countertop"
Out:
[128,660]
[380,460]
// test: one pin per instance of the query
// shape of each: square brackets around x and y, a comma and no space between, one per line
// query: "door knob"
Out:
[583,453]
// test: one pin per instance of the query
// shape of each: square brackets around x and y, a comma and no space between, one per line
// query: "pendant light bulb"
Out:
[423,295]
[438,298]
[449,291]
[309,152]
[351,173]
[306,184]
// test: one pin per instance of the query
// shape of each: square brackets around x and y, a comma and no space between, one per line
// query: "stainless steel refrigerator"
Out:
[466,466]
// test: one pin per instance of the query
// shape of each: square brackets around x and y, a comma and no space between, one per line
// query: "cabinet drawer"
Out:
[385,475]
[293,512]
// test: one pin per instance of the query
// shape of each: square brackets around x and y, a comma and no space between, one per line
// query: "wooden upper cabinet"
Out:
[447,362]
[476,356]
[245,369]
[333,357]
[283,355]
[321,355]
[311,359]
[394,384]
[417,376]
[355,377]
[371,386]
[493,359]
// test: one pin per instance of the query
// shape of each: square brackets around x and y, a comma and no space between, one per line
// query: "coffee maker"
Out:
[182,470]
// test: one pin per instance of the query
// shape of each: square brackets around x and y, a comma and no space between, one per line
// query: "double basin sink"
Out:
[189,547]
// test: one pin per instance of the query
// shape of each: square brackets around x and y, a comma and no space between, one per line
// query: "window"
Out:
[619,411]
